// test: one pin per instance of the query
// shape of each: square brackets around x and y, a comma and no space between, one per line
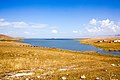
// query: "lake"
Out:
[67,44]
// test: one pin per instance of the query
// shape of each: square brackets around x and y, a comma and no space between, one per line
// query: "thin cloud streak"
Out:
[21,24]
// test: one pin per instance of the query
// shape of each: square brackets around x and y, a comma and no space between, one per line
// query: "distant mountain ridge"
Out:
[117,35]
[6,37]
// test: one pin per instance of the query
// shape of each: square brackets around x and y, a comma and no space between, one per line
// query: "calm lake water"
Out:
[68,44]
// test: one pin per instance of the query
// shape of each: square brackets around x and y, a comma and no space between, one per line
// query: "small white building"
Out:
[100,41]
[116,40]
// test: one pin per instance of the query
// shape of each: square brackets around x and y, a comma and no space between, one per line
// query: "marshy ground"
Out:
[20,61]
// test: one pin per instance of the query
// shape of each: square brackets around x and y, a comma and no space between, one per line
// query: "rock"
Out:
[97,78]
[83,77]
[22,74]
[38,76]
[112,64]
[26,79]
[106,70]
[63,69]
[64,78]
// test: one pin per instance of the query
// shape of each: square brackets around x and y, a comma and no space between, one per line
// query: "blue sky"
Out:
[59,18]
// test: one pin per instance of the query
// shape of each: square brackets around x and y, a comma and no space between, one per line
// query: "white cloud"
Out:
[75,31]
[19,24]
[2,19]
[54,31]
[39,25]
[94,30]
[93,22]
[103,27]
[105,23]
[28,33]
[4,23]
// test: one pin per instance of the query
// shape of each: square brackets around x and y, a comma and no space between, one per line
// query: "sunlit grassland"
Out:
[109,45]
[53,64]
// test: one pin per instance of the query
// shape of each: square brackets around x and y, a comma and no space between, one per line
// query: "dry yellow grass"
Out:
[37,63]
[108,45]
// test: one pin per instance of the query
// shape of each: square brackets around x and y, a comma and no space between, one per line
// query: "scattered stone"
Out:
[27,79]
[38,76]
[62,69]
[112,64]
[22,74]
[97,78]
[83,77]
[74,68]
[106,70]
[64,78]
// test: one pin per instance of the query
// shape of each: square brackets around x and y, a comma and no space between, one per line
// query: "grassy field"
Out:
[24,62]
[108,45]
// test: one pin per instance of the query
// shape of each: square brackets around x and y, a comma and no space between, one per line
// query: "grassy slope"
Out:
[53,64]
[8,38]
[103,45]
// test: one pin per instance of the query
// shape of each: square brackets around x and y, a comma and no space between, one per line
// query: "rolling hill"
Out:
[6,37]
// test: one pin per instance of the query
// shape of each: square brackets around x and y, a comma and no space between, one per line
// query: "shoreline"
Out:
[80,50]
[29,45]
[26,45]
[103,43]
[24,62]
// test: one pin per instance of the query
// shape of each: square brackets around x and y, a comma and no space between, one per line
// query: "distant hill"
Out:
[5,37]
[117,35]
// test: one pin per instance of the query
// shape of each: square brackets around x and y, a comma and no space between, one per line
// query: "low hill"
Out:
[5,37]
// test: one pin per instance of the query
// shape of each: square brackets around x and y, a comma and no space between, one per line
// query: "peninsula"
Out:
[106,43]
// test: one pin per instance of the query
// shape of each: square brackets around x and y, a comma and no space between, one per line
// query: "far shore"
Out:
[108,44]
